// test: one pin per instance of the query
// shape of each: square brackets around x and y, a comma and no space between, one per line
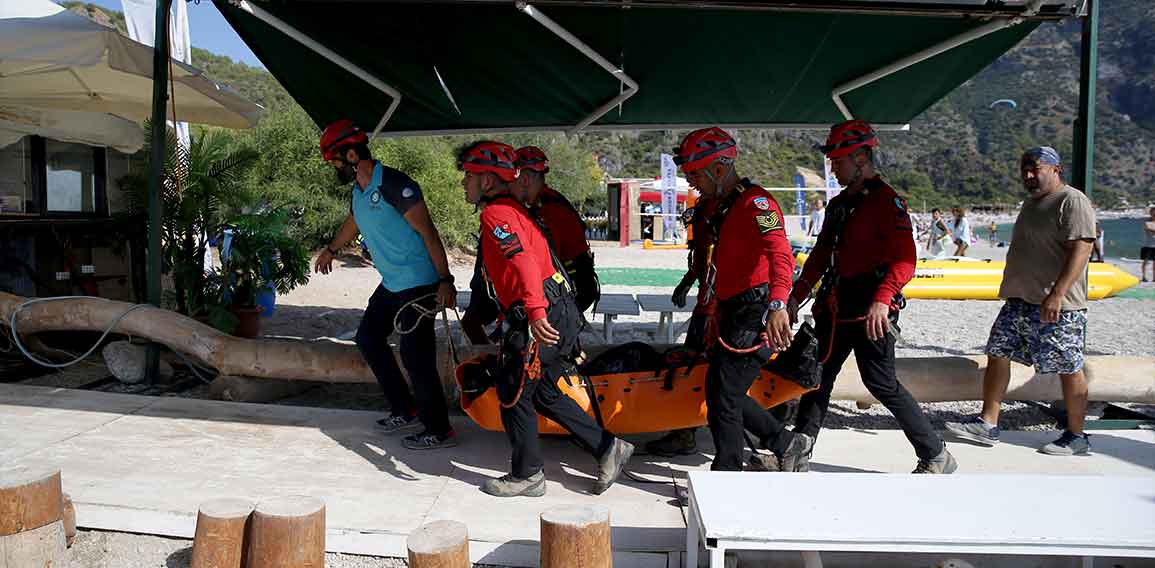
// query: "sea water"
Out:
[1122,237]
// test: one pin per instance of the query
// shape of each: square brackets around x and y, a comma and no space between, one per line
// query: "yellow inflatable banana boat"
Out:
[636,402]
[976,279]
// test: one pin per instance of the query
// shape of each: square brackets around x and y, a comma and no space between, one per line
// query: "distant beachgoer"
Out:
[961,232]
[1097,248]
[1044,320]
[1147,253]
[993,229]
[817,217]
[940,236]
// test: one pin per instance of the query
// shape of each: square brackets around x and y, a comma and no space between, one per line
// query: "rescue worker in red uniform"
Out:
[749,279]
[540,324]
[566,232]
[563,225]
[702,329]
[864,256]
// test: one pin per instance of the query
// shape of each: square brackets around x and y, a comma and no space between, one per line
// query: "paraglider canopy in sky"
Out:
[1004,103]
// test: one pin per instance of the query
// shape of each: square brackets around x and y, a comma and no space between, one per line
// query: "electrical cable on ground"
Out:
[15,336]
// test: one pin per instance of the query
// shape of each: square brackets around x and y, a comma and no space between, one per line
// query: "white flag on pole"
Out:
[669,196]
[140,18]
[832,185]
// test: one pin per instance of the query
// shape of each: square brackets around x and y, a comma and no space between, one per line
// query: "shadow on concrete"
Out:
[1135,452]
[179,559]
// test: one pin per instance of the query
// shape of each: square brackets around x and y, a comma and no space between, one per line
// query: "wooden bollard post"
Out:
[31,513]
[220,534]
[69,518]
[440,544]
[288,532]
[576,536]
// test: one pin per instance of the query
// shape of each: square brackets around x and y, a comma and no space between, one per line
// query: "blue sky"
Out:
[209,31]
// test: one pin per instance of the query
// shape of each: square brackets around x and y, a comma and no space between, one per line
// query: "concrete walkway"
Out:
[143,464]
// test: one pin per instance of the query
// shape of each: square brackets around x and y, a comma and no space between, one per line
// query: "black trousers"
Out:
[418,354]
[729,410]
[876,365]
[543,395]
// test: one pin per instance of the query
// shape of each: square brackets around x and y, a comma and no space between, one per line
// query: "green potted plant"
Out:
[199,184]
[261,255]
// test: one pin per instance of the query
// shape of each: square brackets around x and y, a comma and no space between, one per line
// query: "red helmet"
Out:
[846,137]
[338,136]
[701,147]
[493,157]
[532,158]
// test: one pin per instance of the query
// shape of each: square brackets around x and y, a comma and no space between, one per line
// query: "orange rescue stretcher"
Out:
[634,402]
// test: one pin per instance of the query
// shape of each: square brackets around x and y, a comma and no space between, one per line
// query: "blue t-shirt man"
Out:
[387,208]
[398,251]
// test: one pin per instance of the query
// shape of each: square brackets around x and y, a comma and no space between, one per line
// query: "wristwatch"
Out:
[448,278]
[776,305]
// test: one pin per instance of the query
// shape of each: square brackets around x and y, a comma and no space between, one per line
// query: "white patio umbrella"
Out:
[51,58]
[92,128]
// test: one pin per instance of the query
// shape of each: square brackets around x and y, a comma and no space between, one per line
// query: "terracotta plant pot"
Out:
[249,324]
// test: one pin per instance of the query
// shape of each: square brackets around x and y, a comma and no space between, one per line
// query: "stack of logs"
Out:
[37,520]
[571,537]
[286,532]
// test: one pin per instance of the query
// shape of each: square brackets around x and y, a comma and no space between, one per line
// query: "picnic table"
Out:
[661,303]
[610,306]
[463,297]
[1036,515]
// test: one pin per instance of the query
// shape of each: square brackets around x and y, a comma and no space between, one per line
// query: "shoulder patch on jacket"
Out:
[768,221]
[507,241]
[762,203]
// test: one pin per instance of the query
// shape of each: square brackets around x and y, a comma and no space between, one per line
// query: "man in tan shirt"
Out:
[1044,320]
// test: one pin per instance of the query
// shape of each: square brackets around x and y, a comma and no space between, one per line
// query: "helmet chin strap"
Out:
[716,181]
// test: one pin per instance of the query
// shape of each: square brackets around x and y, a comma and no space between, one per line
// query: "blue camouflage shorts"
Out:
[1019,335]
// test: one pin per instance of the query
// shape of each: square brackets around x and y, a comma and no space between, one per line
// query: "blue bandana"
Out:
[1043,155]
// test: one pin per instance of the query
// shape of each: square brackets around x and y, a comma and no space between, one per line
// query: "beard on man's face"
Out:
[346,173]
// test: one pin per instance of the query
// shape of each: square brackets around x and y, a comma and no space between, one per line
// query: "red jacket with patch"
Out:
[516,256]
[564,224]
[877,233]
[752,246]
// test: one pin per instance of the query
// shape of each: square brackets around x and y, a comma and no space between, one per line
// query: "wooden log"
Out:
[576,536]
[29,499]
[220,534]
[287,532]
[31,513]
[930,379]
[248,389]
[271,358]
[43,547]
[1110,378]
[440,544]
[69,520]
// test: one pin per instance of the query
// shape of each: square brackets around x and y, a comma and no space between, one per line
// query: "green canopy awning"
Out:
[488,66]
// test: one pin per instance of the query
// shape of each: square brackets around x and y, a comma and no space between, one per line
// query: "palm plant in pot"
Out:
[199,184]
[261,255]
